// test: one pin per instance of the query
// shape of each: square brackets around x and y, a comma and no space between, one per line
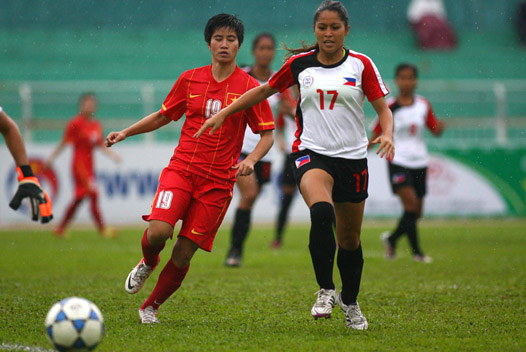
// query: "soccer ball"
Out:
[74,324]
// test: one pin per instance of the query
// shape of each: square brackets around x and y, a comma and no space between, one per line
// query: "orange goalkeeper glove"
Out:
[30,187]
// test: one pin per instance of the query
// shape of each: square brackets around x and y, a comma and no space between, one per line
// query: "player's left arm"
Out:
[246,167]
[385,140]
[435,125]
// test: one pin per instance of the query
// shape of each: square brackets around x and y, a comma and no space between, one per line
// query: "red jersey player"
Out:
[196,186]
[84,133]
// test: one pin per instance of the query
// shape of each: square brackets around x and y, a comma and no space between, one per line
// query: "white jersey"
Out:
[287,127]
[252,139]
[330,115]
[408,138]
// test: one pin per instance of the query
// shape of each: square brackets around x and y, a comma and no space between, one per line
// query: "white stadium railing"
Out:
[477,112]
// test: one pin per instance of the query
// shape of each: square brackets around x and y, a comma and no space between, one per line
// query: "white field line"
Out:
[14,347]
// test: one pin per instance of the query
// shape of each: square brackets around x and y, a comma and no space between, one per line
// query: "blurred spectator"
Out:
[429,23]
[521,23]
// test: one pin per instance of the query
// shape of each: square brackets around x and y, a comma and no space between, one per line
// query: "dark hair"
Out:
[85,96]
[404,66]
[327,5]
[260,36]
[224,20]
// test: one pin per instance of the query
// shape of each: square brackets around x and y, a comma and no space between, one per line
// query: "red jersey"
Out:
[199,96]
[84,134]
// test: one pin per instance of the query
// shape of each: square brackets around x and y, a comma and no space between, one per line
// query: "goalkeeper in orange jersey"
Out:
[29,186]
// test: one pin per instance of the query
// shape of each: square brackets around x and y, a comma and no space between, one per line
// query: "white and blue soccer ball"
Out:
[74,324]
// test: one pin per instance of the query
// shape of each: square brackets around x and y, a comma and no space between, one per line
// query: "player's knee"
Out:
[159,232]
[248,198]
[322,213]
[350,243]
[183,252]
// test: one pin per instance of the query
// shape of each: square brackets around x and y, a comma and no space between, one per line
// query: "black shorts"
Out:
[351,177]
[401,176]
[288,171]
[261,170]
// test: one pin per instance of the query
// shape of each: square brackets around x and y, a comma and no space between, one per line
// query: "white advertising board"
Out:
[126,190]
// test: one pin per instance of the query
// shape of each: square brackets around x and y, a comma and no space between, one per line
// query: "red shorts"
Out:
[199,202]
[84,186]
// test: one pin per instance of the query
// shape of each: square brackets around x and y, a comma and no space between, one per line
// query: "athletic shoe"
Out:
[422,258]
[353,315]
[275,244]
[234,258]
[137,277]
[324,303]
[389,250]
[59,232]
[148,315]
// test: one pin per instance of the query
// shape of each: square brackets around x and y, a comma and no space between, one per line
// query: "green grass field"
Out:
[471,298]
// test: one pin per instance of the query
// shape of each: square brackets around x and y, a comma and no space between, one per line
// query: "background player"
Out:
[331,149]
[84,133]
[196,187]
[285,130]
[263,50]
[408,170]
[29,186]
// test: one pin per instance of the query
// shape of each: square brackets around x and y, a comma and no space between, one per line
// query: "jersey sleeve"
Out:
[70,132]
[174,105]
[372,83]
[431,120]
[259,117]
[283,78]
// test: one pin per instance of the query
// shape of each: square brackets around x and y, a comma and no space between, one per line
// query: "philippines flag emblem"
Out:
[350,81]
[398,178]
[302,161]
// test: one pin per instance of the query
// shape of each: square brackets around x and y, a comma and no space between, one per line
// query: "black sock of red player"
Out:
[322,245]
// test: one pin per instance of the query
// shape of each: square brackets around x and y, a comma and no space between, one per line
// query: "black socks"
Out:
[322,244]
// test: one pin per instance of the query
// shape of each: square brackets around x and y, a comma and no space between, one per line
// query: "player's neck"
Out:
[221,71]
[261,73]
[87,116]
[331,59]
[406,99]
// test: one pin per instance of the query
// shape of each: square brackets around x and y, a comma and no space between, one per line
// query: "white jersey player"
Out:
[330,150]
[412,113]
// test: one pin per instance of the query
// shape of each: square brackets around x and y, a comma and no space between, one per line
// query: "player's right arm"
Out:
[147,124]
[55,153]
